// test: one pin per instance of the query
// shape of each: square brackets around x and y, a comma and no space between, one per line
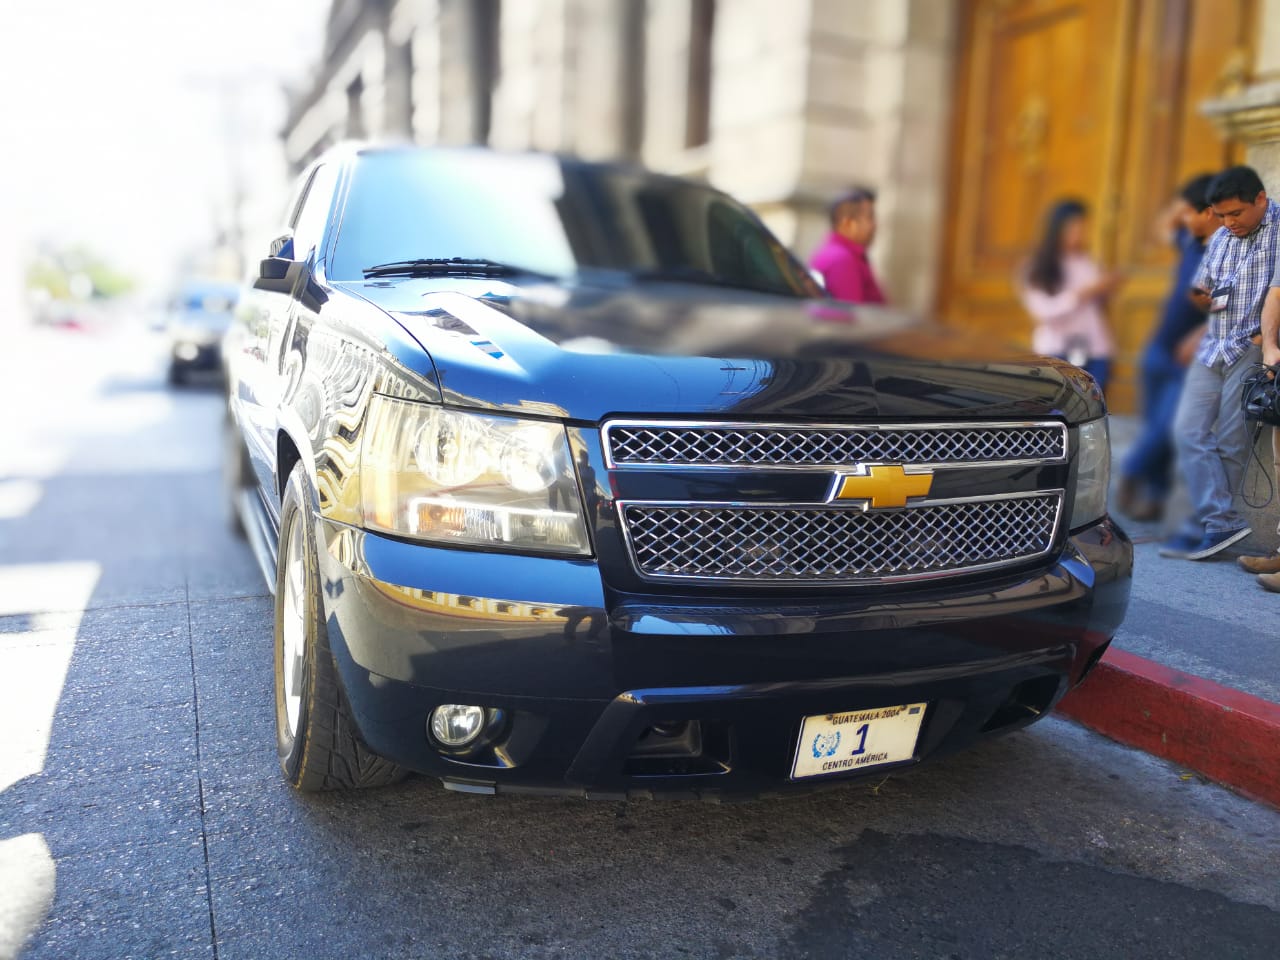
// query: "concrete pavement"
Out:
[1233,620]
[1194,674]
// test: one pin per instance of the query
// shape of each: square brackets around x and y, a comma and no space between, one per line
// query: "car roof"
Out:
[351,150]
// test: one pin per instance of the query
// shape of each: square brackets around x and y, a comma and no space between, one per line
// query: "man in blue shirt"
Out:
[1146,475]
[1209,428]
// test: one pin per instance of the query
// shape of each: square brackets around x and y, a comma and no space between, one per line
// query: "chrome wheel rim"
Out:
[293,632]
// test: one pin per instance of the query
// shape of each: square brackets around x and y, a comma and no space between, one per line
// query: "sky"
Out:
[122,118]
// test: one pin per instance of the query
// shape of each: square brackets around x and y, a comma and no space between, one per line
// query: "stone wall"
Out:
[807,98]
[532,102]
[876,114]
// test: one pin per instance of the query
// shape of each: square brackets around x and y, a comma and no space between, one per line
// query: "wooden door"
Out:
[1095,99]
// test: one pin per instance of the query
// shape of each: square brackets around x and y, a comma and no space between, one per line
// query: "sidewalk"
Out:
[1194,674]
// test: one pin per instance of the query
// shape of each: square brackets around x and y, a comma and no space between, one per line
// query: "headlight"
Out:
[468,478]
[1093,473]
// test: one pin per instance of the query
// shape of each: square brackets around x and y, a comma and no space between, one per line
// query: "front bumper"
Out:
[583,672]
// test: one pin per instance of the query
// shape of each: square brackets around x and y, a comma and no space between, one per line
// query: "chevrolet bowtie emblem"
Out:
[881,485]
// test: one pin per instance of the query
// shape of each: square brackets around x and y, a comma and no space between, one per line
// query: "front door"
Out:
[1095,99]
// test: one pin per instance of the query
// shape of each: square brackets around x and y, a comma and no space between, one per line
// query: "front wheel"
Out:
[316,738]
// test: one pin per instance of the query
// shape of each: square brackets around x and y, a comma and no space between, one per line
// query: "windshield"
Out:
[556,217]
[206,298]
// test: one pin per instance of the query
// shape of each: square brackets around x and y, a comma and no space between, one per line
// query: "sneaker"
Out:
[1269,564]
[1181,545]
[1216,542]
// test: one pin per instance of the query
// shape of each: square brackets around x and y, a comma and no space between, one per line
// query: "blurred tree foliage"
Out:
[78,274]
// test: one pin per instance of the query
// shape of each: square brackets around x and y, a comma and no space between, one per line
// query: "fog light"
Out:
[187,351]
[456,724]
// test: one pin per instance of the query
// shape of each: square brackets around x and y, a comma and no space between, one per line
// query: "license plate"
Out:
[846,742]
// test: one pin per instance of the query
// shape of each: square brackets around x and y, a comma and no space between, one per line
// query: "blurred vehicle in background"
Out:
[199,316]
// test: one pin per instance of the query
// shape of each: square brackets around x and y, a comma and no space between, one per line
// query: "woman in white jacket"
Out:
[1066,293]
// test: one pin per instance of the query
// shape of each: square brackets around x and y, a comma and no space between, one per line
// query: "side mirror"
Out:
[277,275]
[274,268]
[282,247]
[279,272]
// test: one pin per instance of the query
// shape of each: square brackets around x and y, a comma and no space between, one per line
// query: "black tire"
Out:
[325,751]
[177,374]
[237,475]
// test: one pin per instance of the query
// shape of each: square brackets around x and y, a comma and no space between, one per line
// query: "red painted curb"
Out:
[1230,737]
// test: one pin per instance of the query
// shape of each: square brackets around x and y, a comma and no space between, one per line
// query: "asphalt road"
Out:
[142,815]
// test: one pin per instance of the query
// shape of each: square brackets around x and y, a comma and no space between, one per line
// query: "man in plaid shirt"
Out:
[1209,429]
[1268,568]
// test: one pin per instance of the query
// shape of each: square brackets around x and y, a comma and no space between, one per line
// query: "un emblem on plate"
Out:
[826,744]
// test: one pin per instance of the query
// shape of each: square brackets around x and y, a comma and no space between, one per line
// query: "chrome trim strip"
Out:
[825,507]
[821,506]
[610,464]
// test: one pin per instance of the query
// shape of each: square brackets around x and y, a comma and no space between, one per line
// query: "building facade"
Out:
[967,116]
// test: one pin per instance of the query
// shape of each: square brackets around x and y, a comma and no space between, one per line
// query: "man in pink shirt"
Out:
[842,258]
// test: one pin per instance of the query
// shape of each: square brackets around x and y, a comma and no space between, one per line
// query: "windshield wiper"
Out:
[452,266]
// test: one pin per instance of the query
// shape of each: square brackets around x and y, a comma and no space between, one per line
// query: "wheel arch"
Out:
[293,448]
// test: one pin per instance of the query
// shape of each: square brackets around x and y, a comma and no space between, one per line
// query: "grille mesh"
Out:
[772,446]
[817,544]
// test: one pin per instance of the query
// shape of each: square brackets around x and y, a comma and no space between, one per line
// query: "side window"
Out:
[735,242]
[742,250]
[314,214]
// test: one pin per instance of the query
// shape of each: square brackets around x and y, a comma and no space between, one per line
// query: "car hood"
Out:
[586,352]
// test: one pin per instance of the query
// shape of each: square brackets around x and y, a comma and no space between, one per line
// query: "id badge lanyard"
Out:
[1221,292]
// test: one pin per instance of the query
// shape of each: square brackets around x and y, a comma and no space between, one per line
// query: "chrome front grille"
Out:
[731,445]
[838,544]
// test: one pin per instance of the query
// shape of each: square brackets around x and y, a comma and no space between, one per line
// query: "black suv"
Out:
[567,479]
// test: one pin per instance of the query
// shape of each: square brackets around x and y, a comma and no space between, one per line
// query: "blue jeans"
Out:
[1150,461]
[1213,440]
[1100,369]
